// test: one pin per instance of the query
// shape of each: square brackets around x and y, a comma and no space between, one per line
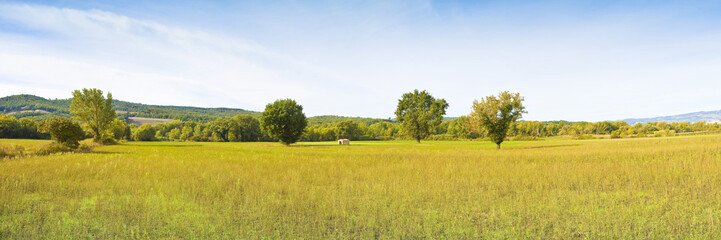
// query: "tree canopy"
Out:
[419,112]
[496,114]
[93,110]
[284,120]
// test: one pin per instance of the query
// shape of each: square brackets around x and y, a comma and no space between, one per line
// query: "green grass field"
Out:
[612,188]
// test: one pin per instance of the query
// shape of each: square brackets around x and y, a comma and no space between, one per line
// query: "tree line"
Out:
[419,116]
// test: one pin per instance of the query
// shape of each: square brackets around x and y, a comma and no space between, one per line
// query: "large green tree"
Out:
[496,113]
[284,119]
[93,110]
[419,112]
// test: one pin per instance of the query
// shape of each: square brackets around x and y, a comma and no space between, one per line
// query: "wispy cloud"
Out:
[142,60]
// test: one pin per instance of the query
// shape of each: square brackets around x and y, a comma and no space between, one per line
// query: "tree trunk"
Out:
[498,146]
[96,135]
[418,140]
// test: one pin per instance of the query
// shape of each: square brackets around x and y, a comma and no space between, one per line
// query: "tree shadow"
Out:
[546,146]
[104,152]
[166,145]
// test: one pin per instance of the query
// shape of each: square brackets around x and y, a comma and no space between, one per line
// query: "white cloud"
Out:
[144,61]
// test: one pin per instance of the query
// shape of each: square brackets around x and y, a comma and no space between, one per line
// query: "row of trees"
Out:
[419,115]
[11,127]
[458,128]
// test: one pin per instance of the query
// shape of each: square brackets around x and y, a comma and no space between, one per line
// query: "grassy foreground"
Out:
[620,188]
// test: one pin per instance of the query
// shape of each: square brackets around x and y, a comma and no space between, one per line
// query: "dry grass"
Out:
[621,188]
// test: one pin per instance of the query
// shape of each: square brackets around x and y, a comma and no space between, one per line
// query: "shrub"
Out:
[87,146]
[11,151]
[144,133]
[53,147]
[64,131]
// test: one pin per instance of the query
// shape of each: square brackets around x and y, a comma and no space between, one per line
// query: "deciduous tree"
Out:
[284,119]
[93,110]
[419,112]
[495,114]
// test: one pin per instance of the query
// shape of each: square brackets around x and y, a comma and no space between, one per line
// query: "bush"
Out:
[87,146]
[11,151]
[144,133]
[53,147]
[64,131]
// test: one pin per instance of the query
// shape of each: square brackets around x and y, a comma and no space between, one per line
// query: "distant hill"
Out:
[708,116]
[38,108]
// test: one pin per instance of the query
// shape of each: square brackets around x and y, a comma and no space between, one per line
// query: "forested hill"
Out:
[38,108]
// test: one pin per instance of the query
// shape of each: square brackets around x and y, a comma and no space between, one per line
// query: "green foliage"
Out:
[144,133]
[64,131]
[18,103]
[93,110]
[118,130]
[496,114]
[284,119]
[384,130]
[186,133]
[11,127]
[461,128]
[225,130]
[348,129]
[174,134]
[419,112]
[250,127]
[332,120]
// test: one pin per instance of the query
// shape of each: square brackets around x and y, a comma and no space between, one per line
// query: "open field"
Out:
[611,188]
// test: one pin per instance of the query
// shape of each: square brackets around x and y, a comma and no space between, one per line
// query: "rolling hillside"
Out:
[38,108]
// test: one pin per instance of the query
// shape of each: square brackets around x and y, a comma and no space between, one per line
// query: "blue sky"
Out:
[572,60]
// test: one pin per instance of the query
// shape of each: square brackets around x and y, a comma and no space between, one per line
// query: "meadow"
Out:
[557,188]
